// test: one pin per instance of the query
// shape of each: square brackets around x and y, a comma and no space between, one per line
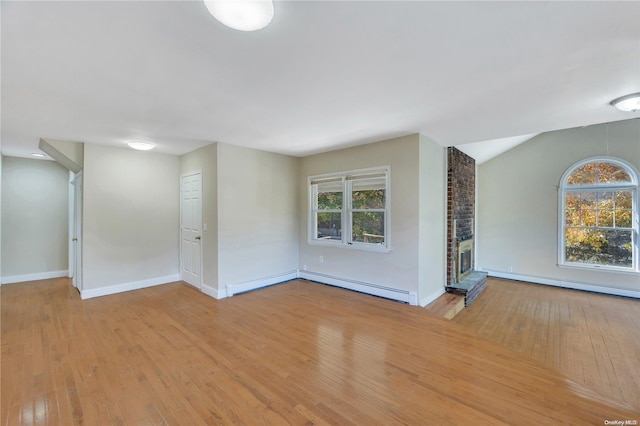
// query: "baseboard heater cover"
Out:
[573,285]
[405,296]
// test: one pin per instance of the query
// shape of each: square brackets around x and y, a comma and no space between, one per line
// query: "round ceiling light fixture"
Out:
[628,103]
[242,15]
[141,145]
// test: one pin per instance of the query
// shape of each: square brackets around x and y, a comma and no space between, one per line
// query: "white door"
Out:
[76,240]
[191,228]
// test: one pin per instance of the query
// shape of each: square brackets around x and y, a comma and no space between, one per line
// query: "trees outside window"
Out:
[599,215]
[356,202]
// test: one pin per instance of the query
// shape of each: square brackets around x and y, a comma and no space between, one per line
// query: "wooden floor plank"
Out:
[295,353]
[592,338]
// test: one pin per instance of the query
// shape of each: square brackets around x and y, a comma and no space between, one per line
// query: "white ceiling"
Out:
[322,76]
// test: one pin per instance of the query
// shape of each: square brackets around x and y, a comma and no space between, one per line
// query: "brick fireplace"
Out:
[461,198]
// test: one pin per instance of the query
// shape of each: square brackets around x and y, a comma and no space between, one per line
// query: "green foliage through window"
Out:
[358,201]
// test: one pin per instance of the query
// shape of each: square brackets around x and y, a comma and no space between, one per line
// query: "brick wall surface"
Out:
[461,187]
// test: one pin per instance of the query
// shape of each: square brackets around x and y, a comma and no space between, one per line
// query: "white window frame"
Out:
[346,178]
[564,189]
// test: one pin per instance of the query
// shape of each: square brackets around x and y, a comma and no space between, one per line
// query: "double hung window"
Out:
[350,209]
[599,217]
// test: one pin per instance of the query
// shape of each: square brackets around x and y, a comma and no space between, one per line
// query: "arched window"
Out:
[599,215]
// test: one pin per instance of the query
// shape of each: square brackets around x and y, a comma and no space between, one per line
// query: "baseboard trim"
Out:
[34,277]
[432,297]
[213,292]
[232,289]
[405,296]
[134,285]
[565,284]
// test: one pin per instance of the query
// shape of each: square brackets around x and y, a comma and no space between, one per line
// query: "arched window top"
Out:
[600,172]
[599,215]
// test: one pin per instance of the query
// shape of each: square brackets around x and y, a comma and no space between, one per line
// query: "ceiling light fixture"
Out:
[141,145]
[38,154]
[628,103]
[242,15]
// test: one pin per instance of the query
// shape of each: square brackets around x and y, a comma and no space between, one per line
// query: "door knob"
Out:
[198,237]
[74,239]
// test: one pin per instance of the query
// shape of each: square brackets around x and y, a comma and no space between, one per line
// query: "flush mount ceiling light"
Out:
[141,145]
[628,103]
[243,15]
[38,154]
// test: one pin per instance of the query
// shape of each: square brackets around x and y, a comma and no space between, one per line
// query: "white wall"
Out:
[206,160]
[433,217]
[131,217]
[34,217]
[518,202]
[257,216]
[398,269]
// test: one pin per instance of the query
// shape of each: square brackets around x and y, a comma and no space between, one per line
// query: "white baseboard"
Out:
[565,284]
[34,277]
[232,289]
[406,296]
[431,297]
[216,294]
[134,285]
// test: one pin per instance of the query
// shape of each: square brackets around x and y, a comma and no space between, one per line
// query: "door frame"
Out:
[75,231]
[192,173]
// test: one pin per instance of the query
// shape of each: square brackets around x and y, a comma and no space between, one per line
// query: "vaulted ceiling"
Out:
[323,75]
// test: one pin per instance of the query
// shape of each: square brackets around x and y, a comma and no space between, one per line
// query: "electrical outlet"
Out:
[321,259]
[510,269]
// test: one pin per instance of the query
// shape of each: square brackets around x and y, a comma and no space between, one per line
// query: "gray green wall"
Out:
[257,214]
[416,260]
[131,217]
[35,214]
[517,223]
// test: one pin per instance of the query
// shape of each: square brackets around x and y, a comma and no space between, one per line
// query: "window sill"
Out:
[361,247]
[608,269]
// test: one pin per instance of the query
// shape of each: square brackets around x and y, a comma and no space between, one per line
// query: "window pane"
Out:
[585,175]
[368,199]
[572,217]
[594,246]
[605,200]
[605,218]
[609,173]
[329,226]
[588,200]
[598,173]
[623,199]
[623,218]
[588,217]
[329,198]
[572,200]
[368,193]
[620,176]
[368,227]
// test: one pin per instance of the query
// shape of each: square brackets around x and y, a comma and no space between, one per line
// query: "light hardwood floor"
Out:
[592,338]
[295,353]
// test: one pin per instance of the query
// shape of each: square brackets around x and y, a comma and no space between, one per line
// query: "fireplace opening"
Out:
[465,259]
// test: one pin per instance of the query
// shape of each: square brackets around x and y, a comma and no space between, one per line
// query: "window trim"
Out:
[564,188]
[347,210]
